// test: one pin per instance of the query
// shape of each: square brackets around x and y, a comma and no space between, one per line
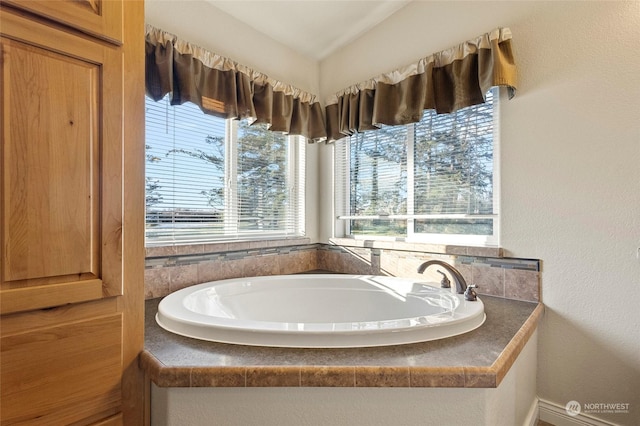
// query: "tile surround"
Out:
[172,268]
[170,360]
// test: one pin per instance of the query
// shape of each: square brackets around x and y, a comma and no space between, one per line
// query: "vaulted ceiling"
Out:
[311,27]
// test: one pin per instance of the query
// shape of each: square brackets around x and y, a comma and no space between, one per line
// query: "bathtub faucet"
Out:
[458,279]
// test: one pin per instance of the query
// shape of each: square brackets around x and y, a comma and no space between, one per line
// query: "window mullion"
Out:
[290,182]
[410,179]
[496,163]
[342,165]
[300,176]
[231,178]
[291,179]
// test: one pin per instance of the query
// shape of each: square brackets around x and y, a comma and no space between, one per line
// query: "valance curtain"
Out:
[445,82]
[221,87]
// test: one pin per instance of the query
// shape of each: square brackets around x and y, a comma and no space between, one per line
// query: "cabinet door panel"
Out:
[62,373]
[51,163]
[101,18]
[61,165]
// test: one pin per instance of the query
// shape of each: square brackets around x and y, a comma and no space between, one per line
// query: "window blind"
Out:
[209,179]
[432,177]
[378,179]
[453,170]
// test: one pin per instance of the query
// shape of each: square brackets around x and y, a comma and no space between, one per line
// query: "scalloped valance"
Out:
[445,82]
[224,88]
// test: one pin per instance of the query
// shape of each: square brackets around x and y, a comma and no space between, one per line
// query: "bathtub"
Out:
[318,311]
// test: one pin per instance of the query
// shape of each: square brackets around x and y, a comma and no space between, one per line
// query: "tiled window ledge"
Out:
[419,247]
[222,246]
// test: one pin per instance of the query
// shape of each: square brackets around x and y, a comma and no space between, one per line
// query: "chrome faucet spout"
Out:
[458,279]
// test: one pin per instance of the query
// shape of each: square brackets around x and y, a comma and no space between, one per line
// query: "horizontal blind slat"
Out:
[188,195]
[452,174]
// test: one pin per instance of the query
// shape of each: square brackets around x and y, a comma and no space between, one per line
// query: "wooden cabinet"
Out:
[71,252]
[99,18]
[62,167]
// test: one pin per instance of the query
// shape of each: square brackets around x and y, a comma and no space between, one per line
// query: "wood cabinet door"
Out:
[100,18]
[61,167]
[62,366]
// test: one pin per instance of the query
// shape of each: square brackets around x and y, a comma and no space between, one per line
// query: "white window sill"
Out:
[419,247]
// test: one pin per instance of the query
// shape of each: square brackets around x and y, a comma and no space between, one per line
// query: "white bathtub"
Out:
[318,311]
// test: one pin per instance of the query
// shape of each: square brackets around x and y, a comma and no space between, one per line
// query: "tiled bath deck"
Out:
[478,359]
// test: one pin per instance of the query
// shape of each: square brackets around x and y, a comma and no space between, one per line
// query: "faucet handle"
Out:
[470,293]
[444,282]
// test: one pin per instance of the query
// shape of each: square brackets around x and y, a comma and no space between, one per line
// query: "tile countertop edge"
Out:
[343,376]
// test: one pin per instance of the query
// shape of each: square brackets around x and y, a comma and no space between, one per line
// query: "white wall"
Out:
[570,166]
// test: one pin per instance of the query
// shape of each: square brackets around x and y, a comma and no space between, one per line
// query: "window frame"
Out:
[295,184]
[342,224]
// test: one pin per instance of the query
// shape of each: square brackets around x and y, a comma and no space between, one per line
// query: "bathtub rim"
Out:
[468,317]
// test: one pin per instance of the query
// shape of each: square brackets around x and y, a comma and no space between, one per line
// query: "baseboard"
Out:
[532,415]
[557,415]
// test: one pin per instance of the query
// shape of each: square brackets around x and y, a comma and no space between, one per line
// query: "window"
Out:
[211,179]
[435,180]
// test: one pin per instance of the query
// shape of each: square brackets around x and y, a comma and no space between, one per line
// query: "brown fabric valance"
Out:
[445,82]
[223,88]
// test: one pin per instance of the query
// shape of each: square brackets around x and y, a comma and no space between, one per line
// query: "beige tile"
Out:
[479,377]
[522,285]
[287,264]
[490,280]
[382,377]
[327,376]
[258,244]
[156,282]
[173,377]
[215,248]
[313,259]
[441,377]
[273,376]
[150,364]
[466,271]
[239,245]
[459,250]
[187,249]
[218,377]
[355,263]
[484,251]
[299,261]
[322,259]
[330,261]
[160,251]
[210,271]
[183,276]
[232,268]
[253,266]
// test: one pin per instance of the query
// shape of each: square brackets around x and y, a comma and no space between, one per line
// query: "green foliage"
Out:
[262,186]
[261,175]
[452,173]
[152,186]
